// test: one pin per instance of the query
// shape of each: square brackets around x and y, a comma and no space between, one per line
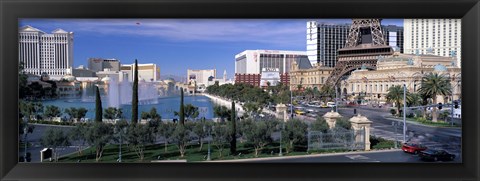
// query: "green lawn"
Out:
[420,120]
[152,152]
[193,153]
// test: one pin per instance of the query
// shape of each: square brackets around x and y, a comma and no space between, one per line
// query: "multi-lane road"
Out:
[433,137]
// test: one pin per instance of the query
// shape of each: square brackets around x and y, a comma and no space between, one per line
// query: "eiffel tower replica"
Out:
[365,43]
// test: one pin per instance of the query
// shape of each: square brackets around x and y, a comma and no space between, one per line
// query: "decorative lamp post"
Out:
[210,135]
[25,130]
[120,131]
[404,112]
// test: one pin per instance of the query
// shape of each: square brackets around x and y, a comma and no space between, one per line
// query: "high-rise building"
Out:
[99,64]
[148,72]
[201,76]
[255,61]
[442,37]
[45,53]
[324,40]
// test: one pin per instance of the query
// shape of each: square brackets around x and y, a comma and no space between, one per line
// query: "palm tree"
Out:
[395,94]
[414,99]
[434,84]
[327,92]
[309,93]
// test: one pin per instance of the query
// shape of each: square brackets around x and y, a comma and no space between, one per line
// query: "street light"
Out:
[404,112]
[120,131]
[283,127]
[25,130]
[210,135]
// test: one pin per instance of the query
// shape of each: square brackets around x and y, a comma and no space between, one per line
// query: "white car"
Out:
[331,104]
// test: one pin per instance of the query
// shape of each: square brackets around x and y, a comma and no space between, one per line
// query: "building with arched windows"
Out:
[304,75]
[400,69]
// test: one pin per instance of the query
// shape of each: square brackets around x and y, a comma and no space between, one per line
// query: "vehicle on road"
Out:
[436,155]
[312,115]
[324,106]
[413,148]
[299,112]
[331,104]
[311,111]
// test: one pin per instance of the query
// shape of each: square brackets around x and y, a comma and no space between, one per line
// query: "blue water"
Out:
[165,107]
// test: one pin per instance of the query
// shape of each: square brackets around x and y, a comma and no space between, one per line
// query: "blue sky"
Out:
[178,44]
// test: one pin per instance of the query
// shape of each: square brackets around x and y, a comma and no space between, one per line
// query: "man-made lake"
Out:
[165,106]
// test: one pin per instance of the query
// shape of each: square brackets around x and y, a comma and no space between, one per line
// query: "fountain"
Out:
[87,87]
[120,93]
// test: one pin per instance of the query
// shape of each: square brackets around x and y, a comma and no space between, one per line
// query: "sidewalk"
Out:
[305,156]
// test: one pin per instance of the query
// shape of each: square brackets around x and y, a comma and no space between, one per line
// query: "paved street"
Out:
[392,156]
[35,141]
[432,137]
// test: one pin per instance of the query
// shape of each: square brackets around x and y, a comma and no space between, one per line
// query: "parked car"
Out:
[436,155]
[413,148]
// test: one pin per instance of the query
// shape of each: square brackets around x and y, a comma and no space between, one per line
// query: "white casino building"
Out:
[45,53]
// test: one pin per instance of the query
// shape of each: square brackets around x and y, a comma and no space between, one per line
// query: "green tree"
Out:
[252,108]
[31,109]
[181,135]
[76,114]
[23,90]
[294,133]
[395,94]
[258,133]
[200,129]
[78,134]
[220,136]
[414,99]
[233,131]
[98,136]
[222,112]
[320,125]
[343,123]
[190,112]
[327,92]
[138,137]
[181,114]
[98,106]
[113,113]
[154,115]
[434,84]
[166,131]
[52,111]
[135,94]
[55,138]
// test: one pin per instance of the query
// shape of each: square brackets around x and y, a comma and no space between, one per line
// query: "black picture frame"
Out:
[11,11]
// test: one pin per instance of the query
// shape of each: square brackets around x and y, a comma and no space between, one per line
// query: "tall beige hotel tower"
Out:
[45,53]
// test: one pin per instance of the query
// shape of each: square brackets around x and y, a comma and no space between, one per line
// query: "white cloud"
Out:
[280,32]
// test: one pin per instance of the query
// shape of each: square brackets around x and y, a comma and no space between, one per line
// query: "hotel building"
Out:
[45,53]
[251,64]
[99,64]
[149,72]
[254,61]
[442,36]
[324,40]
